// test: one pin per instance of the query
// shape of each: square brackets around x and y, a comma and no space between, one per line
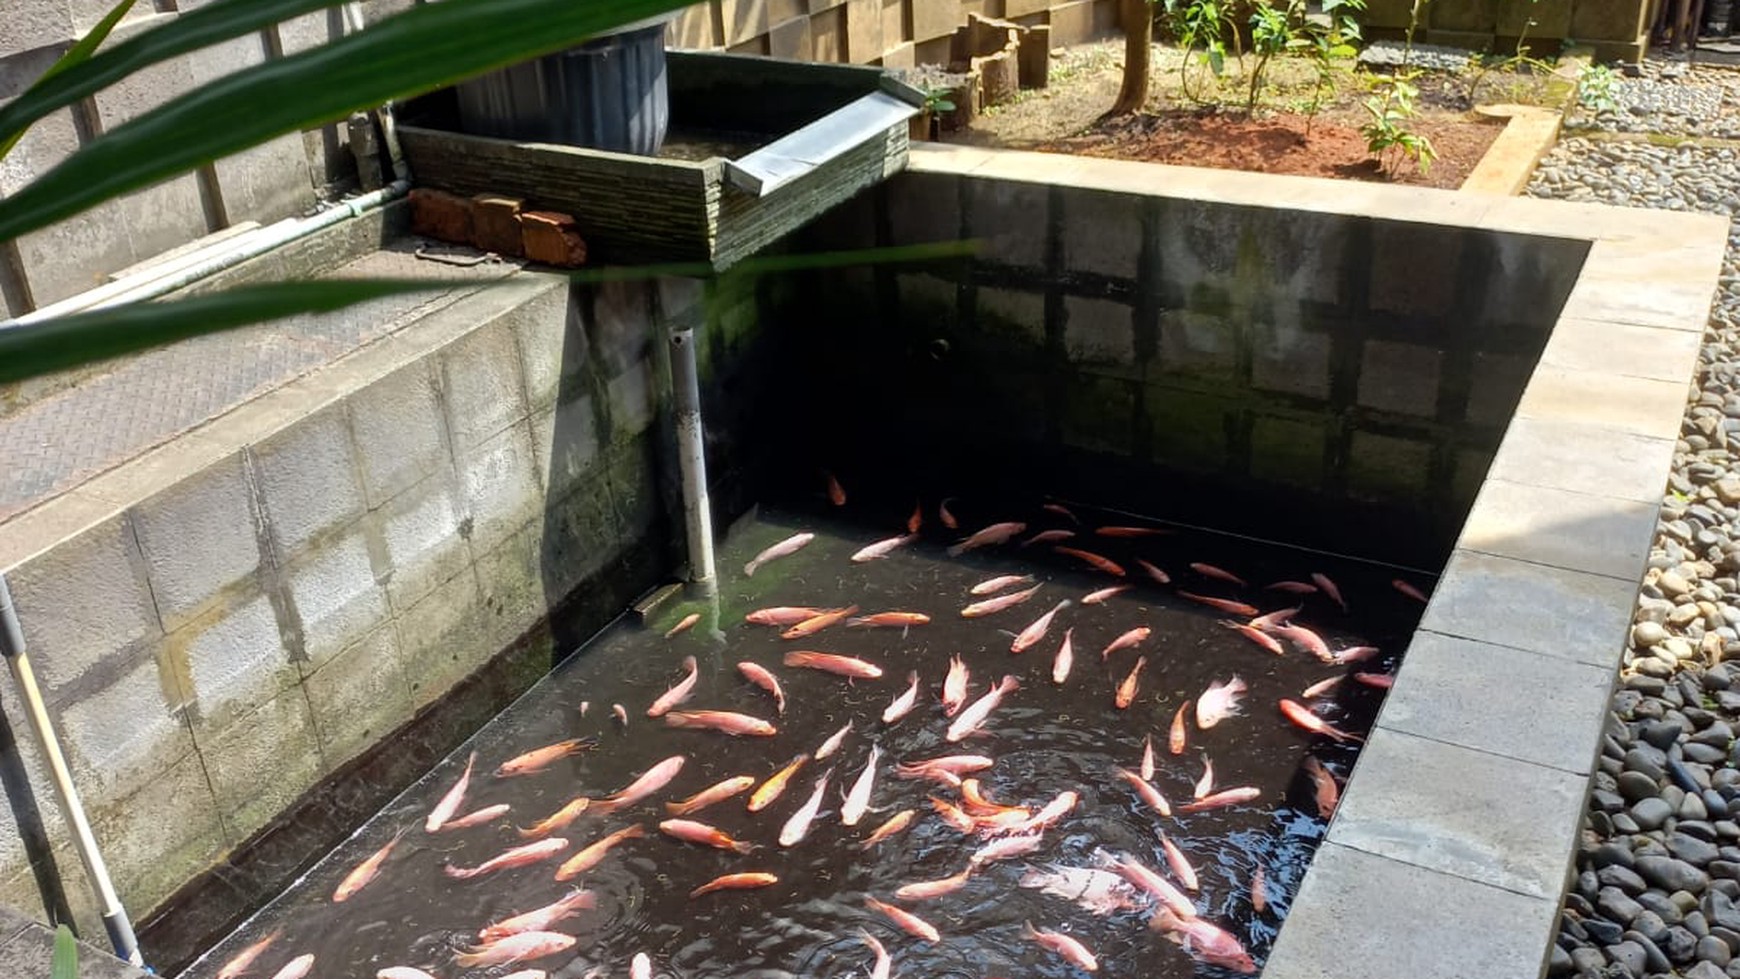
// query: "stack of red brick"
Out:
[498,224]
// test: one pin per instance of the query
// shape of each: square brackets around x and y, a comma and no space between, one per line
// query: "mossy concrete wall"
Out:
[1615,29]
[1333,380]
[253,609]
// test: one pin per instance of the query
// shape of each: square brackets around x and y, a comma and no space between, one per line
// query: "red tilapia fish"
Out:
[998,604]
[1065,947]
[1226,605]
[954,690]
[902,705]
[1093,560]
[690,831]
[364,872]
[973,800]
[894,824]
[687,623]
[948,519]
[836,492]
[906,921]
[538,759]
[991,586]
[1049,815]
[764,679]
[516,948]
[1065,658]
[1323,786]
[817,623]
[888,620]
[1147,770]
[560,819]
[857,801]
[1223,798]
[478,818]
[654,779]
[735,882]
[1329,588]
[1259,891]
[639,967]
[997,533]
[1047,537]
[782,615]
[724,721]
[882,965]
[1131,531]
[402,972]
[1145,790]
[1269,620]
[798,826]
[718,792]
[1294,587]
[952,766]
[1148,881]
[882,548]
[1126,693]
[678,692]
[926,890]
[1354,654]
[1409,590]
[1203,941]
[590,857]
[974,716]
[1301,716]
[849,666]
[1128,640]
[519,856]
[1180,864]
[242,961]
[1321,687]
[1007,848]
[1175,739]
[775,784]
[1030,636]
[1305,639]
[1061,511]
[1256,635]
[834,741]
[1219,574]
[1219,702]
[1095,891]
[917,519]
[540,919]
[296,968]
[1160,577]
[1381,681]
[450,802]
[791,545]
[1096,597]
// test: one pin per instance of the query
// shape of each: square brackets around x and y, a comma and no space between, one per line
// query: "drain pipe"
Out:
[692,457]
[115,919]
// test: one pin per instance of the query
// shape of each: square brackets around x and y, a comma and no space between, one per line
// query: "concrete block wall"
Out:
[272,595]
[283,178]
[1284,364]
[896,33]
[1616,29]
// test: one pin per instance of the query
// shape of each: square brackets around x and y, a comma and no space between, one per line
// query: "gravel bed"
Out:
[1388,54]
[1681,106]
[1657,892]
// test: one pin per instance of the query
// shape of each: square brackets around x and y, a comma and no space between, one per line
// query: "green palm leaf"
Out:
[423,49]
[74,56]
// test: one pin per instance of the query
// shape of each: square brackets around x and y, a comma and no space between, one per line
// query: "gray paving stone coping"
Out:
[1452,847]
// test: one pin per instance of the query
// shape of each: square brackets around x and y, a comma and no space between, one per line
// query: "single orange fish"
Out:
[717,792]
[1269,621]
[1259,892]
[895,824]
[1321,687]
[540,919]
[538,759]
[1048,536]
[1226,605]
[763,678]
[771,789]
[1030,636]
[724,721]
[1061,511]
[1323,786]
[1210,571]
[817,623]
[679,692]
[690,831]
[953,815]
[650,781]
[451,801]
[1131,531]
[791,545]
[1225,797]
[956,765]
[1128,640]
[997,533]
[1409,590]
[974,802]
[1096,597]
[1294,587]
[908,922]
[834,741]
[917,519]
[1146,791]
[590,857]
[1382,681]
[516,948]
[620,713]
[1301,715]
[947,518]
[954,689]
[1127,690]
[478,818]
[998,604]
[885,620]
[849,666]
[902,704]
[782,615]
[881,549]
[1257,636]
[685,625]
[364,872]
[836,492]
[1329,588]
[1354,654]
[735,882]
[993,585]
[1065,658]
[928,889]
[1175,741]
[1160,577]
[1064,946]
[519,856]
[296,968]
[1102,564]
[1305,639]
[1205,784]
[557,820]
[244,960]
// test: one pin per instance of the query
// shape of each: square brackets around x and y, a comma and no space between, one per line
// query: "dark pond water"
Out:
[1045,738]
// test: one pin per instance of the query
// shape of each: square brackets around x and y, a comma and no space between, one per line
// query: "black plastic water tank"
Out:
[608,94]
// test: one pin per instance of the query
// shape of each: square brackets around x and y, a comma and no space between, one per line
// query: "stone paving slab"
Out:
[65,439]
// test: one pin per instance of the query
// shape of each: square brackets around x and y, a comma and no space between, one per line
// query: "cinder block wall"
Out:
[896,33]
[282,178]
[1616,29]
[1304,375]
[330,563]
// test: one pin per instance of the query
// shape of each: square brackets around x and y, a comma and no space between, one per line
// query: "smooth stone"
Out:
[1726,829]
[1717,734]
[1722,912]
[1587,961]
[1695,827]
[1611,854]
[1692,850]
[1623,823]
[1646,760]
[1589,885]
[1696,924]
[1672,875]
[1663,905]
[1647,633]
[1615,905]
[1629,954]
[1713,950]
[1635,786]
[1652,812]
[1678,945]
[1603,932]
[1559,963]
[1729,937]
[1615,875]
[1704,754]
[1704,970]
[1649,925]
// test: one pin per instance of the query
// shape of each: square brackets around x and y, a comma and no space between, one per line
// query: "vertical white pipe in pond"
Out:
[692,456]
[114,916]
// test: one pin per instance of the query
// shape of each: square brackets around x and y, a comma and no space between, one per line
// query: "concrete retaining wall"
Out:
[231,619]
[1291,372]
[896,33]
[1616,29]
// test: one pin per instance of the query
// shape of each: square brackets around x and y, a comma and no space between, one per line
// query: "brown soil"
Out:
[1282,142]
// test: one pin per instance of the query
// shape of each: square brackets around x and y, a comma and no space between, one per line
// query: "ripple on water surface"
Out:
[1046,738]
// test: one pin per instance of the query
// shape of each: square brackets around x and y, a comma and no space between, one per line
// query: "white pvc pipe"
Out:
[115,919]
[692,456]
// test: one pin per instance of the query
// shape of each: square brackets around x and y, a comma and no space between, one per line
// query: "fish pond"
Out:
[1044,739]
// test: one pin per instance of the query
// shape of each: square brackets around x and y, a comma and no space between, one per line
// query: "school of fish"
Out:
[955,702]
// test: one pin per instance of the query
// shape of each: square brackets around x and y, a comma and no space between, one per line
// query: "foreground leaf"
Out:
[65,963]
[426,48]
[76,55]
